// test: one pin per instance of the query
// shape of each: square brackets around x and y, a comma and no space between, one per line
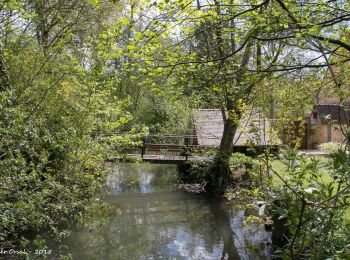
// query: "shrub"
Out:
[329,147]
[310,210]
[239,159]
[195,172]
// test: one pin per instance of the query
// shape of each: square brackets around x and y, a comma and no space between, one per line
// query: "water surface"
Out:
[148,218]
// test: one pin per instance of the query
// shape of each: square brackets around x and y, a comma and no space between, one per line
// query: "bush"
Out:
[330,147]
[195,172]
[249,165]
[50,170]
[309,209]
[239,159]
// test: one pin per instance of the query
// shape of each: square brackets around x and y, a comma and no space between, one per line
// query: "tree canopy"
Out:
[71,70]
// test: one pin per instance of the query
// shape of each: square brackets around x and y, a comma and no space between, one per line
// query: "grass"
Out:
[280,168]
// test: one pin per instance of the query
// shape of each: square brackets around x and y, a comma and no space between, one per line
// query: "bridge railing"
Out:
[169,143]
[160,144]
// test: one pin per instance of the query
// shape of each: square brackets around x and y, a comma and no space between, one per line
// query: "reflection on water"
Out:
[148,218]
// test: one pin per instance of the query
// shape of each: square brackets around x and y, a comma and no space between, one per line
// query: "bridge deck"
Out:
[166,159]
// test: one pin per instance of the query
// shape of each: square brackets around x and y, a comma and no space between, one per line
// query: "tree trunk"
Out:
[230,128]
[228,135]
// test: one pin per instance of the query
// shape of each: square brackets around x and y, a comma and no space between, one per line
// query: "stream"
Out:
[147,217]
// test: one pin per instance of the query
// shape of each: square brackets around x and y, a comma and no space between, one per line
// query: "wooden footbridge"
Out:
[166,159]
[166,149]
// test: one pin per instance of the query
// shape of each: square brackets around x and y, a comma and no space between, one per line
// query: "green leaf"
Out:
[131,47]
[125,21]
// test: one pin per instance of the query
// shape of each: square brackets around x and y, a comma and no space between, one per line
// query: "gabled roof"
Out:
[331,113]
[254,128]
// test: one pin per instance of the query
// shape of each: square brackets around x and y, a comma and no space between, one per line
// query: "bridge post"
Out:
[143,148]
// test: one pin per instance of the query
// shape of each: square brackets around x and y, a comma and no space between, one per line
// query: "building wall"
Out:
[337,135]
[321,134]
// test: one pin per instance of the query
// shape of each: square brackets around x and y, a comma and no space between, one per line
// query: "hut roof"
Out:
[254,129]
[330,113]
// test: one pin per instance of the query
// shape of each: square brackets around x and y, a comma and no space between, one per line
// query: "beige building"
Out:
[329,121]
[326,123]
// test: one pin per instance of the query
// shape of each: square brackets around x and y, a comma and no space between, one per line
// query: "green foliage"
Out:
[239,159]
[80,80]
[329,147]
[53,96]
[195,172]
[310,210]
[50,169]
[251,166]
[164,113]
